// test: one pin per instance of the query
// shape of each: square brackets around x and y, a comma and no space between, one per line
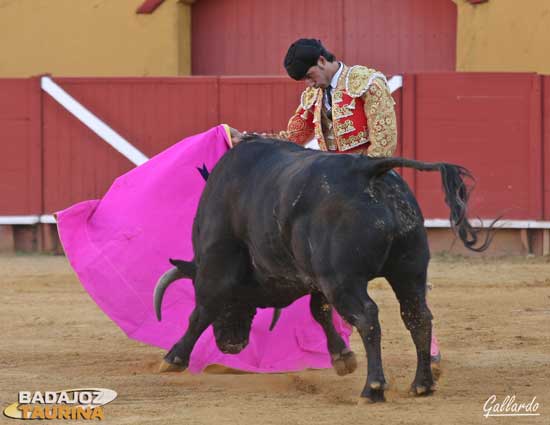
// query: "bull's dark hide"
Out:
[277,221]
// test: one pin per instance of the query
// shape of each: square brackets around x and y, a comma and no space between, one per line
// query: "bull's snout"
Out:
[232,348]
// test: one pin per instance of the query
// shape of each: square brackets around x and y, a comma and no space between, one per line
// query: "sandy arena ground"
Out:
[492,318]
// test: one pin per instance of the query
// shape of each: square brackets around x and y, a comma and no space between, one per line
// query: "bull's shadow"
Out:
[276,222]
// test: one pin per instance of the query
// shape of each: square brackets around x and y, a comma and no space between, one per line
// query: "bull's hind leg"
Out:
[410,289]
[354,304]
[343,359]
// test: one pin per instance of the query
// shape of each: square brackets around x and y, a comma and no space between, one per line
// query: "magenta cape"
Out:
[119,246]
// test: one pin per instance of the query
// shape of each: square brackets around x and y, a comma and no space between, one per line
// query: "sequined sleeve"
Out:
[300,128]
[381,120]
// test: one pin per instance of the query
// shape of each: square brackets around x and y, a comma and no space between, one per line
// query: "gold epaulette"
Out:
[360,78]
[309,96]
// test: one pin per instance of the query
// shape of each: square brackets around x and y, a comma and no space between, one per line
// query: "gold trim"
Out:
[309,97]
[339,112]
[337,96]
[357,80]
[351,142]
[343,127]
[228,135]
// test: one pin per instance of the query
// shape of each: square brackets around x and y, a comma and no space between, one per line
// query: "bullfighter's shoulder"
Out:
[360,78]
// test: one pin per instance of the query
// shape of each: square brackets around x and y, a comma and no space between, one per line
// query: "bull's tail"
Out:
[183,269]
[457,193]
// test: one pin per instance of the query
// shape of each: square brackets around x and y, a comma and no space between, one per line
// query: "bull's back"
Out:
[268,195]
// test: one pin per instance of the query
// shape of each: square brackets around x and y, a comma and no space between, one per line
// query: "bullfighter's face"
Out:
[319,75]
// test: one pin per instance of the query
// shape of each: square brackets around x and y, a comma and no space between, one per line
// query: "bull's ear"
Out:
[188,268]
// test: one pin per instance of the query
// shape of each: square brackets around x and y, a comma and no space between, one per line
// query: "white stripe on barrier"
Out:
[48,219]
[501,224]
[432,223]
[92,122]
[27,219]
[395,83]
[19,219]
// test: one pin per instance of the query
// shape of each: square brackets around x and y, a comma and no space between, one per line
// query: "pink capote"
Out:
[119,246]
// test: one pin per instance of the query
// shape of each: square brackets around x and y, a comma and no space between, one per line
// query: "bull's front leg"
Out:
[222,268]
[342,358]
[177,358]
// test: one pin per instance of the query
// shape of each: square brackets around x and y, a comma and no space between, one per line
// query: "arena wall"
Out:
[503,36]
[494,124]
[20,146]
[99,38]
[249,37]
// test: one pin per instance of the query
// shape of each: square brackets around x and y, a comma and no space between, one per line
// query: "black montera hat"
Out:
[302,55]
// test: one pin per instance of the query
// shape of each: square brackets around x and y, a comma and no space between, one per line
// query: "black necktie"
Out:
[329,100]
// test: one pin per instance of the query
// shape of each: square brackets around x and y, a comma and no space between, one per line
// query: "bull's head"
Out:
[232,328]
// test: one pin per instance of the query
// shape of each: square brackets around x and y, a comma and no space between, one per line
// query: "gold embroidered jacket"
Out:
[363,116]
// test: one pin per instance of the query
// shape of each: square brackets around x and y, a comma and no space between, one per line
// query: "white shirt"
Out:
[333,84]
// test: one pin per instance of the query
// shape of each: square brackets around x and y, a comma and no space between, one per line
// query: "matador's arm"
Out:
[381,119]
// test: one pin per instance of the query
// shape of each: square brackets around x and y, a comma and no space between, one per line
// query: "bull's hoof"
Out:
[344,363]
[172,365]
[436,367]
[422,390]
[374,392]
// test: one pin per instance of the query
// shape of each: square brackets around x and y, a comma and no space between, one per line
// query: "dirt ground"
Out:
[492,318]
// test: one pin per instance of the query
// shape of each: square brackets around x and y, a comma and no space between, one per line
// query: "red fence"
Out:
[20,147]
[489,123]
[545,119]
[494,124]
[152,114]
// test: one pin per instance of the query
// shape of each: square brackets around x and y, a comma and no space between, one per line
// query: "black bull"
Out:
[277,221]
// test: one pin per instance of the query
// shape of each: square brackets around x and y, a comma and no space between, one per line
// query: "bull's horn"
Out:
[165,280]
[276,315]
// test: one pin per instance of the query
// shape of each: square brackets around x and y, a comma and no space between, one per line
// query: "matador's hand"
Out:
[236,136]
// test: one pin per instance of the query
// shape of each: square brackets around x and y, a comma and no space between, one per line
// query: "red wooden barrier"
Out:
[265,104]
[261,104]
[546,144]
[398,98]
[489,123]
[20,147]
[407,135]
[151,113]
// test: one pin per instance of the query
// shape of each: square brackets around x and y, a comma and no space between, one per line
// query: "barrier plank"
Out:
[495,124]
[546,144]
[20,147]
[484,122]
[150,113]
